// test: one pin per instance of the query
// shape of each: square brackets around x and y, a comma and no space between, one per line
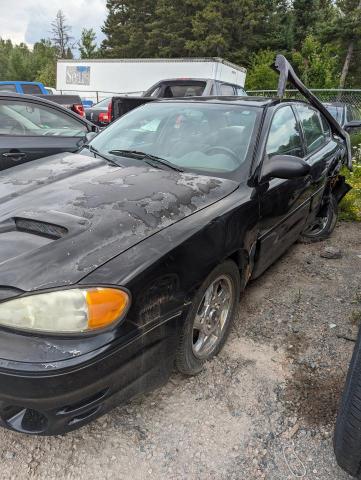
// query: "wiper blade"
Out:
[97,153]
[144,155]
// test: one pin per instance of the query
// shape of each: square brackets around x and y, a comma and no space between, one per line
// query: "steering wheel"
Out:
[219,149]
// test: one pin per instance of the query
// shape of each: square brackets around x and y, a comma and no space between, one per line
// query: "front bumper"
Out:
[61,399]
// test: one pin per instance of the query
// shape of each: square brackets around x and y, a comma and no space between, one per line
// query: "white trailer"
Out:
[99,78]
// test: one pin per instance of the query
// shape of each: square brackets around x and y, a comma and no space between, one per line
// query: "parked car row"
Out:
[33,127]
[124,255]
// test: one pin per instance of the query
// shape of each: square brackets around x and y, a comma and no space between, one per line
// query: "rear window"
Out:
[185,90]
[29,88]
[7,87]
[226,90]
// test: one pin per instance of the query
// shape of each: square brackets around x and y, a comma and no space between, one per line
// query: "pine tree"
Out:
[87,44]
[126,28]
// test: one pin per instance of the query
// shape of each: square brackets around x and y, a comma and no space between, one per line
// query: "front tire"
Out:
[347,438]
[208,322]
[324,223]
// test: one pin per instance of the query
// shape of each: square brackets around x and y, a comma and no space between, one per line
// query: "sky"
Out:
[29,20]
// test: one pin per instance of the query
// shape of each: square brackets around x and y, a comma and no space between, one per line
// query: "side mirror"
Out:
[353,125]
[89,136]
[284,166]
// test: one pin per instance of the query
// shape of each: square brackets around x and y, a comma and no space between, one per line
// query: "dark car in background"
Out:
[99,114]
[32,127]
[103,112]
[347,115]
[72,102]
[128,258]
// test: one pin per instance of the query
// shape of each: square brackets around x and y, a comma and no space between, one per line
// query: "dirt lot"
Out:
[265,408]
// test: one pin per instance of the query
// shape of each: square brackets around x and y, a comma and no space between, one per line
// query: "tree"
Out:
[316,64]
[19,65]
[44,62]
[87,44]
[260,74]
[169,28]
[61,35]
[126,28]
[349,31]
[6,48]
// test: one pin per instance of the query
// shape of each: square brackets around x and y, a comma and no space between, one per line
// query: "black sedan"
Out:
[33,127]
[100,113]
[129,257]
[347,115]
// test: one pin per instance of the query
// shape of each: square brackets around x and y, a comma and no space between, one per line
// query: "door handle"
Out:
[14,155]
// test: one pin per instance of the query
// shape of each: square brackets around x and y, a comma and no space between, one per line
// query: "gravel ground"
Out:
[264,409]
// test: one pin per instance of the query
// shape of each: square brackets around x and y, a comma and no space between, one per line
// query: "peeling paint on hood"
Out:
[105,210]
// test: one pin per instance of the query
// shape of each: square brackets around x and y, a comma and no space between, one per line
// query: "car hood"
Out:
[63,216]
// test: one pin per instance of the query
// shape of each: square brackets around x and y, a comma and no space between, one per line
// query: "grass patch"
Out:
[350,206]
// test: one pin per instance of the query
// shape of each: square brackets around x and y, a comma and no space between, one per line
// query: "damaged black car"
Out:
[128,258]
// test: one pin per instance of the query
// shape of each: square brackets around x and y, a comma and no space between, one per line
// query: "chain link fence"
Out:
[350,97]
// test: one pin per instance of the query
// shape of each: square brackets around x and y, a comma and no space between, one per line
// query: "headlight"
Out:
[65,311]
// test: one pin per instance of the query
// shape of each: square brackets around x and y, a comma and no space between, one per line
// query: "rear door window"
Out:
[7,87]
[313,130]
[31,89]
[284,137]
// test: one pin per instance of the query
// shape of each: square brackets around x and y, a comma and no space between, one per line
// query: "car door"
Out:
[31,130]
[321,151]
[284,204]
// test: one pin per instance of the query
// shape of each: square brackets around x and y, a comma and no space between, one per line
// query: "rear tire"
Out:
[347,438]
[324,224]
[208,322]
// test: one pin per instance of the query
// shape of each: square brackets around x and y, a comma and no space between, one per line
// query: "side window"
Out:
[284,137]
[241,92]
[226,90]
[326,127]
[312,128]
[28,119]
[155,92]
[31,89]
[7,87]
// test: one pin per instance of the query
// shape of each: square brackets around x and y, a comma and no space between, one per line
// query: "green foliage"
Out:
[18,62]
[316,63]
[312,33]
[87,45]
[260,74]
[350,207]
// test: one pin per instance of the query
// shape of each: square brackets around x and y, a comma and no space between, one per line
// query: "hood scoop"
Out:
[23,233]
[33,227]
[42,229]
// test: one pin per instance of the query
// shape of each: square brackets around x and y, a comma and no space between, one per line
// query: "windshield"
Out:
[336,112]
[103,103]
[201,136]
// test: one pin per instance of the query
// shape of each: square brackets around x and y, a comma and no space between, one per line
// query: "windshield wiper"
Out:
[97,153]
[143,155]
